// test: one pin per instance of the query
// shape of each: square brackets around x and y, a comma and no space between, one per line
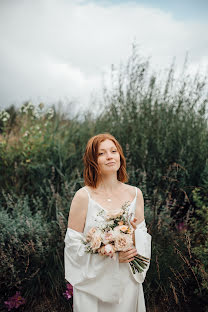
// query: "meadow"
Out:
[162,127]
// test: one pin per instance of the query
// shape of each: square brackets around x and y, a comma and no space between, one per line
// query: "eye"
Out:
[100,154]
[114,151]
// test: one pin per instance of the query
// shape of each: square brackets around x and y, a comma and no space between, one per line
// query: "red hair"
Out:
[90,157]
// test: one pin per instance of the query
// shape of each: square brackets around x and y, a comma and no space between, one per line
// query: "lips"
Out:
[111,163]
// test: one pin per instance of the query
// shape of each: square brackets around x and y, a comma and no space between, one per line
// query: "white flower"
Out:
[50,113]
[26,134]
[4,116]
[26,107]
[36,114]
[109,248]
[108,237]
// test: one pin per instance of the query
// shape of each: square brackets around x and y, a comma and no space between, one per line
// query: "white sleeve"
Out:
[143,246]
[91,273]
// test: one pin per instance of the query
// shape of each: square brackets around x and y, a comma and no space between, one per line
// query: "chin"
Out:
[112,169]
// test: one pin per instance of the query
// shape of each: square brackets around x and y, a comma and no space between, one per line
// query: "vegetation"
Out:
[162,127]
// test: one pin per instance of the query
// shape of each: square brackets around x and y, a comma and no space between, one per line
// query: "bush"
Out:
[31,250]
[199,243]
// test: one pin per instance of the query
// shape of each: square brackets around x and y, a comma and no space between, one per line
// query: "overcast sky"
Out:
[53,50]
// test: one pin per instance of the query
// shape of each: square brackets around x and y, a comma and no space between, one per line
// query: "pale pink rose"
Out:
[123,242]
[95,242]
[108,237]
[109,249]
[114,214]
[90,234]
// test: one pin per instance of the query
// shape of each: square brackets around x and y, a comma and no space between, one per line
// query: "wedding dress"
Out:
[101,284]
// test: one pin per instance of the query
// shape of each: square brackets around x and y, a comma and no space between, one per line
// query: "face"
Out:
[108,157]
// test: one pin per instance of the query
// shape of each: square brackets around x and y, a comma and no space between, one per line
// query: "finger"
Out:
[130,252]
[129,257]
[133,224]
[129,260]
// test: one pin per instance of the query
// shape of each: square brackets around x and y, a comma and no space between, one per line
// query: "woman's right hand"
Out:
[127,256]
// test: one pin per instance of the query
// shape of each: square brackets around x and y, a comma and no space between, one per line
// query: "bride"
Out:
[101,284]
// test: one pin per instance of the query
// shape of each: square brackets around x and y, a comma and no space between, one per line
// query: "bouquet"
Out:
[112,234]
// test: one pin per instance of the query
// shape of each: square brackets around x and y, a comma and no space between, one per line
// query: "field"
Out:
[162,127]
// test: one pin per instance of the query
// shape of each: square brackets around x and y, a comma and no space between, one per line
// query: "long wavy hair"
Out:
[91,171]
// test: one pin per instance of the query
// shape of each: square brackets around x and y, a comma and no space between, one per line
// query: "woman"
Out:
[100,283]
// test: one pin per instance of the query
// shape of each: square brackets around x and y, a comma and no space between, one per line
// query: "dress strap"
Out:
[136,195]
[88,193]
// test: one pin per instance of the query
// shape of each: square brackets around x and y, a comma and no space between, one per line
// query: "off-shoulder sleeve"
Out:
[91,273]
[143,245]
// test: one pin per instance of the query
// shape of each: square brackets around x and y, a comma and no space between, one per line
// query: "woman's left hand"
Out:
[133,223]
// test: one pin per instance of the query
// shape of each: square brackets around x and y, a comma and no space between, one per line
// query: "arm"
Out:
[78,211]
[127,256]
[139,212]
[142,239]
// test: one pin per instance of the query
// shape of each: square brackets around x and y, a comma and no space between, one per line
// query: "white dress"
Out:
[101,284]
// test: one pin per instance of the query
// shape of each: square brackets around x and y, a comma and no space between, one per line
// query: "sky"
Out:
[62,50]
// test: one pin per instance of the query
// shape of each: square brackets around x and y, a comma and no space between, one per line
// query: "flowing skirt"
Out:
[132,299]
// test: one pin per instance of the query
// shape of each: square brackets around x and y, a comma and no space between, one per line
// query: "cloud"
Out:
[56,50]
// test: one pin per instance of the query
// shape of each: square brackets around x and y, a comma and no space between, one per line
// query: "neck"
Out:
[108,183]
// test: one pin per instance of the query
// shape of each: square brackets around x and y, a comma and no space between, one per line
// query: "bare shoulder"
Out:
[78,210]
[139,194]
[81,195]
[131,190]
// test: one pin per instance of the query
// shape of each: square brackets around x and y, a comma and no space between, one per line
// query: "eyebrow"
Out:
[103,149]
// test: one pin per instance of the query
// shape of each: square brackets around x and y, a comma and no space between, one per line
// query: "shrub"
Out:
[31,249]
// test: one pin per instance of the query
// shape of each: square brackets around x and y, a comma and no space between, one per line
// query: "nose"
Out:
[108,155]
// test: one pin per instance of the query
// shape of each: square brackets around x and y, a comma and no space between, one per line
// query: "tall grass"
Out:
[162,127]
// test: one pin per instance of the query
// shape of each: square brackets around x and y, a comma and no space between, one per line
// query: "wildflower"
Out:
[69,291]
[36,114]
[26,107]
[181,226]
[4,116]
[15,301]
[50,113]
[26,134]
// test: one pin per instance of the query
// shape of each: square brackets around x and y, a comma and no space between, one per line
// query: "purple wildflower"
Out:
[181,226]
[14,301]
[69,291]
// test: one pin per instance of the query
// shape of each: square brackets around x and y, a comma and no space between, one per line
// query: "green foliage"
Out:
[31,249]
[162,127]
[199,241]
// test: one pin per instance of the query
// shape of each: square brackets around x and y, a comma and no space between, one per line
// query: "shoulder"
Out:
[139,210]
[81,194]
[78,210]
[80,200]
[133,189]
